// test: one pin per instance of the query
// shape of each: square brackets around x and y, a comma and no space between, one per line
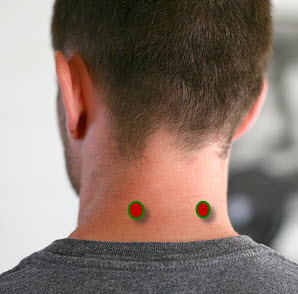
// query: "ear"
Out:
[252,116]
[70,81]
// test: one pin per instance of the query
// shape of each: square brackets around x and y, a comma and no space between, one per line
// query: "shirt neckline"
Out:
[152,251]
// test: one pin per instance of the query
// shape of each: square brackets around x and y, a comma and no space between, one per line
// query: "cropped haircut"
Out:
[194,68]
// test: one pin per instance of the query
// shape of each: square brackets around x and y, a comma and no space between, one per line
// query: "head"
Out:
[127,70]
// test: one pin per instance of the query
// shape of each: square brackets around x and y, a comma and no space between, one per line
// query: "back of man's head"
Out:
[192,67]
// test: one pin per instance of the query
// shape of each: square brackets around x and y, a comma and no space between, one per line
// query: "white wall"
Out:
[37,204]
[286,8]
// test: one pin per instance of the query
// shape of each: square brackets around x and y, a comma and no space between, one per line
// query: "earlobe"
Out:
[70,93]
[252,116]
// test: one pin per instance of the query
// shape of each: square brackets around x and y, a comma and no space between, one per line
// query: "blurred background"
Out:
[37,203]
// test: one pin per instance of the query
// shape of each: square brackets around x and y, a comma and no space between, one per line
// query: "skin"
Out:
[169,184]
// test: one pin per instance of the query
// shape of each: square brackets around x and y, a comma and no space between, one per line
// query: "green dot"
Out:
[136,209]
[204,210]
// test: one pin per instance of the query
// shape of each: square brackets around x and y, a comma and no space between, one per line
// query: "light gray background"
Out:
[37,204]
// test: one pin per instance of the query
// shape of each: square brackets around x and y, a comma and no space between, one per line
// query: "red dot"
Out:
[203,209]
[136,209]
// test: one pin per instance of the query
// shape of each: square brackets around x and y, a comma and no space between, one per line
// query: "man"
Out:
[152,93]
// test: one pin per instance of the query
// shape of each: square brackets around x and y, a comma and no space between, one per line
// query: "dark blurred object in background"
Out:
[255,204]
[264,172]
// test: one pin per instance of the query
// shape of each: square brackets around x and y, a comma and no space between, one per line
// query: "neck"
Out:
[169,190]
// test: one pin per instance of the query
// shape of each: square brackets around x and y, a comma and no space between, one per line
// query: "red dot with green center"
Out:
[203,209]
[136,209]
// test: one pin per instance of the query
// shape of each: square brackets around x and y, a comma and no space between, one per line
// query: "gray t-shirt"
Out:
[230,265]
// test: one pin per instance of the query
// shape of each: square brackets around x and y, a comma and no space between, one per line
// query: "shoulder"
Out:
[19,278]
[269,272]
[283,266]
[274,261]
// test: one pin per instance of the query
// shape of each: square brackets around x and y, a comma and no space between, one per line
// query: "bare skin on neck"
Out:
[169,189]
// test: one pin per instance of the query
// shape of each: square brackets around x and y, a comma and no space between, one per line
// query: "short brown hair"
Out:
[192,67]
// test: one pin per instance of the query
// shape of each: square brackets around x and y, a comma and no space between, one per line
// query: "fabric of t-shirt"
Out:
[230,265]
